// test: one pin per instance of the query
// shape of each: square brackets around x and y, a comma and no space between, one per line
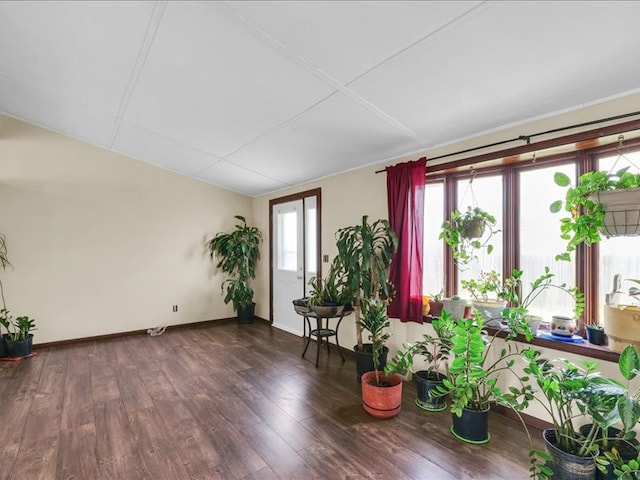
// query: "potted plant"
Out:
[435,349]
[381,393]
[602,203]
[473,377]
[569,392]
[464,232]
[487,296]
[328,297]
[4,263]
[621,311]
[520,303]
[618,447]
[364,252]
[595,334]
[238,253]
[19,340]
[435,304]
[455,305]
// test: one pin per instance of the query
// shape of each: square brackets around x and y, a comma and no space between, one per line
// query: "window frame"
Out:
[586,258]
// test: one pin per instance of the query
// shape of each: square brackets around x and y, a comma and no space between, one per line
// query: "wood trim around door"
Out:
[316,192]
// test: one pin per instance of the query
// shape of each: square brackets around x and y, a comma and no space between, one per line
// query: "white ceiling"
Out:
[259,96]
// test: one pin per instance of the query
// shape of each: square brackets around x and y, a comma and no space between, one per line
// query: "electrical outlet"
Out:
[325,258]
[175,308]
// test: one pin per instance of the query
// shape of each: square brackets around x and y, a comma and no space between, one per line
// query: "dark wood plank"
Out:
[77,454]
[36,460]
[8,455]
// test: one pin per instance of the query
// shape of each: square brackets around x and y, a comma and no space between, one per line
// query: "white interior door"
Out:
[288,264]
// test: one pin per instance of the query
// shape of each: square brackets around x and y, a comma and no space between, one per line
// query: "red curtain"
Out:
[405,203]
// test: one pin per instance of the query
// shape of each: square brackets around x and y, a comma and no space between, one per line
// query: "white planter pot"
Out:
[454,307]
[621,212]
[534,322]
[563,326]
[491,311]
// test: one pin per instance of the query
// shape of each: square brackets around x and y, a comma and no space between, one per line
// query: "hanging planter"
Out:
[601,203]
[467,233]
[621,212]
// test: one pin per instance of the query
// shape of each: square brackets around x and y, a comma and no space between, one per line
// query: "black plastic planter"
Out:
[19,348]
[628,449]
[426,383]
[245,315]
[3,345]
[566,466]
[364,359]
[595,336]
[472,426]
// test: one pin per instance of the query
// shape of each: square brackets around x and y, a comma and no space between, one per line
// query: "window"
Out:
[519,194]
[619,254]
[539,239]
[433,251]
[486,193]
[287,231]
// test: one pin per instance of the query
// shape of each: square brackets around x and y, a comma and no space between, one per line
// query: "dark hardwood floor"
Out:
[223,401]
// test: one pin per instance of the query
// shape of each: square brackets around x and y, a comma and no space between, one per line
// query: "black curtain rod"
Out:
[527,138]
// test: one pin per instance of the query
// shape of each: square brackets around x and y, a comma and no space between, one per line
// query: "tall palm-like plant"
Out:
[365,252]
[237,253]
[4,263]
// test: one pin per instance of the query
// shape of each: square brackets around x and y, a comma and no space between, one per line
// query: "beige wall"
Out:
[101,243]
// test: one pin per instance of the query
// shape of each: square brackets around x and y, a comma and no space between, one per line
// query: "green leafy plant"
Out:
[18,329]
[568,392]
[586,214]
[364,252]
[460,232]
[628,413]
[332,290]
[374,319]
[237,253]
[434,348]
[474,372]
[4,263]
[486,285]
[519,305]
[436,297]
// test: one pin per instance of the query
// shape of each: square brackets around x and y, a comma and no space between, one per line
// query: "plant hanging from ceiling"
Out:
[469,232]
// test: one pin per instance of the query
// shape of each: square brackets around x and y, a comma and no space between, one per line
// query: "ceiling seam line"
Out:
[145,48]
[272,130]
[263,36]
[436,32]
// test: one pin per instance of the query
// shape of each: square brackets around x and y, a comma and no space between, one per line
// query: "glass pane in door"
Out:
[288,241]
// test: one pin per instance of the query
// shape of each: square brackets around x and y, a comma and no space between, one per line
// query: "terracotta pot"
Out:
[382,401]
[435,308]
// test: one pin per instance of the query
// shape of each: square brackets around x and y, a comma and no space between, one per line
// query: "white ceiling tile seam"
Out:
[431,35]
[145,48]
[263,36]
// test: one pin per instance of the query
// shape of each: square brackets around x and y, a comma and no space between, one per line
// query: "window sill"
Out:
[585,349]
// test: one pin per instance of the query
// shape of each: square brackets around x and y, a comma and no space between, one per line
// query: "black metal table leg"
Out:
[307,324]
